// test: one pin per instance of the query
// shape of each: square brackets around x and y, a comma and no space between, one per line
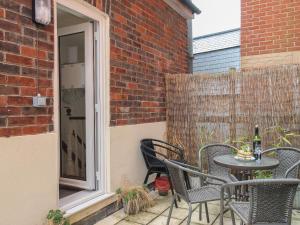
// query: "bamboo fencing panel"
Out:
[212,108]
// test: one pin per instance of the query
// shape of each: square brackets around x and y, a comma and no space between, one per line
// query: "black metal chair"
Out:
[150,153]
[154,164]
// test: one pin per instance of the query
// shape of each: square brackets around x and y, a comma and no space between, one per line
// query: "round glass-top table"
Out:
[229,161]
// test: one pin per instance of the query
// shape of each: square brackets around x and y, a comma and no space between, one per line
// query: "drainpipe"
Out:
[190,45]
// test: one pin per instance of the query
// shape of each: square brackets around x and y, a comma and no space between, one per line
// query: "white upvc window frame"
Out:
[102,95]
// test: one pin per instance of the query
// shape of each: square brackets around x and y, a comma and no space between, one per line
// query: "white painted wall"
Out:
[29,178]
[127,163]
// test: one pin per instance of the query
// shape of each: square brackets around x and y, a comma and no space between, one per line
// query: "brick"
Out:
[7,90]
[18,121]
[45,46]
[30,32]
[2,79]
[18,39]
[2,122]
[2,13]
[28,91]
[27,3]
[9,69]
[11,5]
[46,64]
[44,120]
[19,101]
[20,60]
[150,104]
[29,51]
[9,47]
[21,81]
[8,26]
[3,101]
[34,129]
[34,111]
[26,11]
[7,111]
[45,83]
[7,132]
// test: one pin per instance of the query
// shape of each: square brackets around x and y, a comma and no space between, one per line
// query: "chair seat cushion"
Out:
[241,209]
[204,193]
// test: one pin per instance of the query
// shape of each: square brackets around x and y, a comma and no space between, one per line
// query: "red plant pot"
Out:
[162,184]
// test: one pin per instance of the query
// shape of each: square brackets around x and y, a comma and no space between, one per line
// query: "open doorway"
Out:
[76,103]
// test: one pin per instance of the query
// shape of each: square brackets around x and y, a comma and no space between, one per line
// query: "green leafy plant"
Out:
[134,199]
[282,137]
[241,143]
[205,136]
[56,217]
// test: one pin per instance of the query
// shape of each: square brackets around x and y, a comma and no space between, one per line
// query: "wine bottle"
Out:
[257,144]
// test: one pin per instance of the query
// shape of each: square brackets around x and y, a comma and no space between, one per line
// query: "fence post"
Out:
[232,104]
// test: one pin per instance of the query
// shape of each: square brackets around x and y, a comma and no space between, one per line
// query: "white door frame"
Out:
[87,28]
[102,72]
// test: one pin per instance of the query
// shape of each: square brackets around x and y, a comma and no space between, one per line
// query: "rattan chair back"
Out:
[208,152]
[272,202]
[177,177]
[288,157]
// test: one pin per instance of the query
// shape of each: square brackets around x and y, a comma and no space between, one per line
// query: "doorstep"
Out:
[93,210]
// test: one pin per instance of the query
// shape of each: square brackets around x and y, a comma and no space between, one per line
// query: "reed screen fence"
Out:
[215,108]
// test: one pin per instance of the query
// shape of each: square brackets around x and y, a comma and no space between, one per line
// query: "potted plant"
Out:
[56,217]
[134,199]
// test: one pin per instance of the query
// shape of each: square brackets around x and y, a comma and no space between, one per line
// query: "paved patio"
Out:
[157,215]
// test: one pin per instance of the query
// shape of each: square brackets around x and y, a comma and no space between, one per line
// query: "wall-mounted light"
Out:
[41,11]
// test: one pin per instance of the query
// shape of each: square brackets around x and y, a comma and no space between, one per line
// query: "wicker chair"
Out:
[210,151]
[270,202]
[289,159]
[196,195]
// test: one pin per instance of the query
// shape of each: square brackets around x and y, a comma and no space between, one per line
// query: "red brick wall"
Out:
[148,39]
[18,74]
[269,26]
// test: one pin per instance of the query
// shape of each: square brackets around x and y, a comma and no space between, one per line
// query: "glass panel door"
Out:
[76,106]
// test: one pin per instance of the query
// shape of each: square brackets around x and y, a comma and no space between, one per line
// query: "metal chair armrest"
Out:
[195,171]
[180,153]
[291,168]
[166,143]
[186,165]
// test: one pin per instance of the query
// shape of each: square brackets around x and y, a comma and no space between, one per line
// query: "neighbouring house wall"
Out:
[270,33]
[217,61]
